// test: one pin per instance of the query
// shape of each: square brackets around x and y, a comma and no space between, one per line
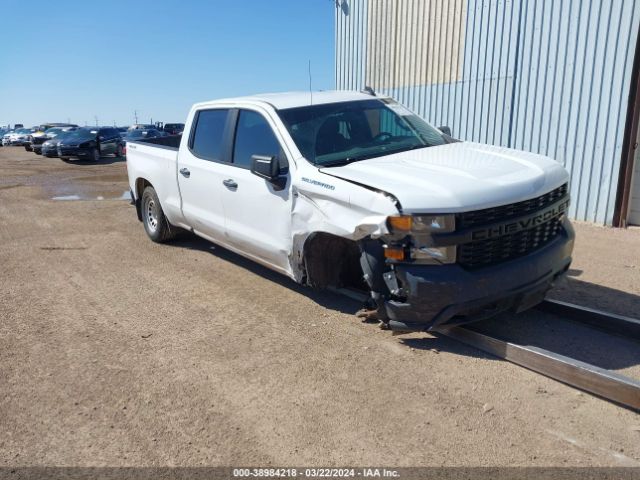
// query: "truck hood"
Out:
[456,177]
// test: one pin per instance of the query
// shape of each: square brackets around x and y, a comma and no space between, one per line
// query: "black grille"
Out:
[507,247]
[497,249]
[505,212]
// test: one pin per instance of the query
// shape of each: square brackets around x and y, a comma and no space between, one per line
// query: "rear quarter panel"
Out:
[156,165]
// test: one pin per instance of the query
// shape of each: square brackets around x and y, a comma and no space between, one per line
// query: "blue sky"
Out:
[80,59]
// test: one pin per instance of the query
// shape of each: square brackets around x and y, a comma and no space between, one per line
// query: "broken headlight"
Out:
[410,238]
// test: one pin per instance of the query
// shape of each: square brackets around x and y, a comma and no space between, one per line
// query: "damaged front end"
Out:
[448,270]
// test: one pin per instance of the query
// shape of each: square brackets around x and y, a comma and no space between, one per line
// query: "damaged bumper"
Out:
[451,295]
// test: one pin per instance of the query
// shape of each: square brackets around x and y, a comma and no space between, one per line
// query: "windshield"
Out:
[62,135]
[23,130]
[339,133]
[80,135]
[52,132]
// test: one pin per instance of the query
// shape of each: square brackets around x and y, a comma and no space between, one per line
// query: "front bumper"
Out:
[74,152]
[451,295]
[50,152]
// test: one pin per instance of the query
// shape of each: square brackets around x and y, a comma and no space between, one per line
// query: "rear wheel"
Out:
[119,151]
[155,223]
[95,154]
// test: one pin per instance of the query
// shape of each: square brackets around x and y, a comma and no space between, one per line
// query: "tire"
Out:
[155,223]
[95,155]
[64,159]
[119,151]
[38,152]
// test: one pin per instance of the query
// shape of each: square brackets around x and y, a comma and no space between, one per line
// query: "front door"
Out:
[258,215]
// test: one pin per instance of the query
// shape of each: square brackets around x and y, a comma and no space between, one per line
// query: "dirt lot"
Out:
[117,351]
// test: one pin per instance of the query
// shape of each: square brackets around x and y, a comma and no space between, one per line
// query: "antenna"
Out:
[96,117]
[135,115]
[310,91]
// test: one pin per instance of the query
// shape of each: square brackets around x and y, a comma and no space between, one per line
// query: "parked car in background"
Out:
[18,136]
[5,138]
[18,125]
[50,146]
[142,126]
[135,135]
[173,128]
[3,131]
[91,144]
[37,138]
[39,141]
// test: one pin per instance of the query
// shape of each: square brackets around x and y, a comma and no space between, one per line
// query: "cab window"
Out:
[254,136]
[207,140]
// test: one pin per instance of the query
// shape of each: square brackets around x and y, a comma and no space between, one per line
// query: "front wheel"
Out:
[155,223]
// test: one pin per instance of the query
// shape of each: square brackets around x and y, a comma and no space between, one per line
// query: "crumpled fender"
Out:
[324,203]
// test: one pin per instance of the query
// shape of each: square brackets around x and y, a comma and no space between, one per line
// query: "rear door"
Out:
[201,170]
[258,215]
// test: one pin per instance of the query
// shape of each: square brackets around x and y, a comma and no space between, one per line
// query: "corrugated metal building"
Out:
[553,77]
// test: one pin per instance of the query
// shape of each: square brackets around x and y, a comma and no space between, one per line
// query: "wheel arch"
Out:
[140,184]
[331,260]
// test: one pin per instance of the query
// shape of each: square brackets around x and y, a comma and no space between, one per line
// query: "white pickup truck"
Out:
[349,189]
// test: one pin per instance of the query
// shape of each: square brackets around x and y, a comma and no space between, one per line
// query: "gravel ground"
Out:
[116,351]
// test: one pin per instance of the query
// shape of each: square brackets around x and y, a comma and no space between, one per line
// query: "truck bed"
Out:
[155,160]
[172,141]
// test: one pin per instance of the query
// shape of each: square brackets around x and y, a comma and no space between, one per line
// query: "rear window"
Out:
[207,139]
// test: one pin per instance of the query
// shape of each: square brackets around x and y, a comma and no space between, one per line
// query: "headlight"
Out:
[411,238]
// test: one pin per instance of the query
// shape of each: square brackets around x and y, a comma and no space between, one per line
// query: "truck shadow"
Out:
[533,328]
[324,298]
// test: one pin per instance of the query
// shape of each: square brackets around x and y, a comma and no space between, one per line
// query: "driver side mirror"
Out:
[268,167]
[446,130]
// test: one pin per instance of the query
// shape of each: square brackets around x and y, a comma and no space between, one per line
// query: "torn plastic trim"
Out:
[341,213]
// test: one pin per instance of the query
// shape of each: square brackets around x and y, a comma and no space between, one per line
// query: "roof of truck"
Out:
[285,100]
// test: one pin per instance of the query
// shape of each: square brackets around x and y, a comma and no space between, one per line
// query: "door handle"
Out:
[230,183]
[185,172]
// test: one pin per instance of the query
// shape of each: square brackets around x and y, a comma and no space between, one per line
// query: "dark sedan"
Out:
[50,146]
[91,143]
[38,142]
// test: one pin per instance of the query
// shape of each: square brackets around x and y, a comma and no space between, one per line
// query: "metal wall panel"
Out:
[550,77]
